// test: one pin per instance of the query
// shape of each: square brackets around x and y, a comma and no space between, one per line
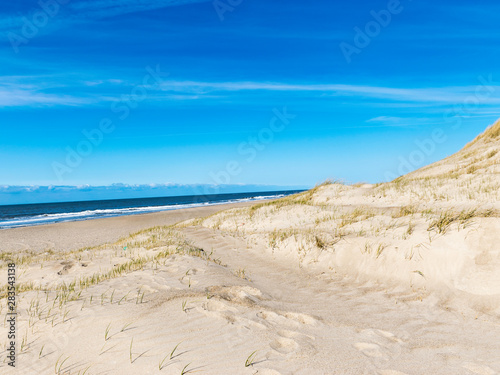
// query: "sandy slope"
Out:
[392,279]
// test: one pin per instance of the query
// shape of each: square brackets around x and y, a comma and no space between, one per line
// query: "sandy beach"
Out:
[401,278]
[77,234]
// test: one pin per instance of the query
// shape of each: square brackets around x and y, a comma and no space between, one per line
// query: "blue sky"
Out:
[195,92]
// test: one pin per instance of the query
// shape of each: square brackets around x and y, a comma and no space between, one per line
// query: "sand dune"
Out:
[400,278]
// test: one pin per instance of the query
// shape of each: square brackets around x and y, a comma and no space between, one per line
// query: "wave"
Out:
[24,221]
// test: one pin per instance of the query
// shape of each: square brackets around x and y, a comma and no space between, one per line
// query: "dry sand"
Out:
[391,279]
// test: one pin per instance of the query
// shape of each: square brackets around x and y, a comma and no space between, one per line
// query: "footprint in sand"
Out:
[476,368]
[67,266]
[370,350]
[294,335]
[379,344]
[303,343]
[284,345]
[286,319]
[250,324]
[218,306]
[271,318]
[301,318]
[288,334]
[220,310]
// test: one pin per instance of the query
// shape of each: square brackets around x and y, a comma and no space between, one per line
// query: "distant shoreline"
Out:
[27,215]
[73,235]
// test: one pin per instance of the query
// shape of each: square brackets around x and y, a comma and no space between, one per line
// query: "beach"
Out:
[78,234]
[255,289]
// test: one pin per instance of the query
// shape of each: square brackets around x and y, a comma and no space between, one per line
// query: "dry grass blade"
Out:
[106,332]
[130,349]
[250,359]
[173,351]
[184,369]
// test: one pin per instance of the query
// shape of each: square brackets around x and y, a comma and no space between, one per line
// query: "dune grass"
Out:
[250,359]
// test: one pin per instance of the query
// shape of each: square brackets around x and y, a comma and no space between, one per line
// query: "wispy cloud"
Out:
[390,120]
[29,98]
[33,91]
[393,121]
[54,90]
[440,95]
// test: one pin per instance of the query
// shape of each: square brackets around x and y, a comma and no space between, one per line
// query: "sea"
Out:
[23,215]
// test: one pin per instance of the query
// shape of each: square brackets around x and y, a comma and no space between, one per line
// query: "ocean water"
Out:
[12,216]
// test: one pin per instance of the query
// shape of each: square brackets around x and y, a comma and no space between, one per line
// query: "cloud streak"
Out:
[441,95]
[28,98]
[394,121]
[53,90]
